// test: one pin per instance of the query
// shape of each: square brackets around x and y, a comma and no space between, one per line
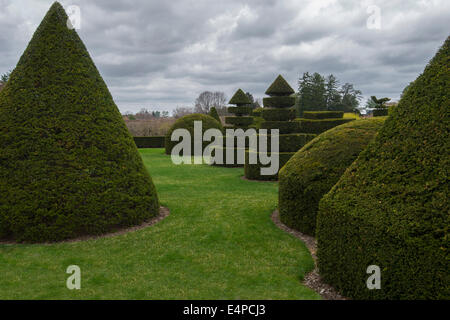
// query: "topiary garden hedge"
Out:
[68,165]
[150,142]
[316,167]
[391,207]
[187,122]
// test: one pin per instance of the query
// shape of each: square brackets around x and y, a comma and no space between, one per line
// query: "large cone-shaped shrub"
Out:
[68,165]
[391,207]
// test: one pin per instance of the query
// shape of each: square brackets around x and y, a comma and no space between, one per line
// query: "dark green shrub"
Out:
[240,111]
[240,98]
[187,122]
[279,102]
[323,114]
[280,87]
[291,142]
[150,142]
[391,207]
[285,127]
[257,112]
[253,171]
[213,113]
[68,165]
[239,122]
[313,170]
[235,163]
[270,114]
[319,126]
[277,113]
[380,112]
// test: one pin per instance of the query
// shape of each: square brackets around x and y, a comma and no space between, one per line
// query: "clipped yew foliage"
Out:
[68,166]
[240,98]
[316,168]
[187,122]
[279,87]
[391,207]
[213,113]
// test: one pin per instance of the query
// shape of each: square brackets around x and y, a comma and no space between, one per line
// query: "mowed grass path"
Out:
[218,243]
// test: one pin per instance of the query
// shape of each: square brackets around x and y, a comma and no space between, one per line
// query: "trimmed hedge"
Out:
[240,98]
[313,171]
[150,142]
[391,207]
[187,122]
[285,127]
[235,163]
[319,126]
[380,112]
[270,114]
[68,165]
[279,102]
[323,114]
[240,111]
[280,87]
[253,171]
[240,122]
[291,142]
[257,112]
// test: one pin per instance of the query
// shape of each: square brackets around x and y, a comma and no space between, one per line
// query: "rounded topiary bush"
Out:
[68,165]
[391,207]
[187,122]
[315,168]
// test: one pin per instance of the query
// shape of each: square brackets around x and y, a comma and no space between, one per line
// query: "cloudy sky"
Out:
[163,54]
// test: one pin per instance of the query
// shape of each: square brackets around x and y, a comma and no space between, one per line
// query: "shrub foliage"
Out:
[150,142]
[391,207]
[187,122]
[315,168]
[68,165]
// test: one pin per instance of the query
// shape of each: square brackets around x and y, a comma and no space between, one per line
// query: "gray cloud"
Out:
[162,54]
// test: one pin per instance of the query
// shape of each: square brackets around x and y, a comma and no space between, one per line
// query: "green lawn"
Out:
[218,243]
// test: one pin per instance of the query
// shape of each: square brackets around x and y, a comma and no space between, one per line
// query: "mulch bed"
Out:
[163,213]
[312,280]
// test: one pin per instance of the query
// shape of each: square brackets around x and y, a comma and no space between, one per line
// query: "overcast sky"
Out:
[163,54]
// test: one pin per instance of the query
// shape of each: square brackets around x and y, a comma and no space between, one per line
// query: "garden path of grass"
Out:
[217,243]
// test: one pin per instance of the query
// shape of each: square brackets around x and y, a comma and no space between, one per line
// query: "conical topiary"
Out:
[68,165]
[280,87]
[242,111]
[240,98]
[391,207]
[213,113]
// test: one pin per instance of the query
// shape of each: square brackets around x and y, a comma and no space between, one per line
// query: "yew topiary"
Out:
[68,166]
[391,207]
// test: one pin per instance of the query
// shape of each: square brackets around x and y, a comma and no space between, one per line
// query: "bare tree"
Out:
[182,111]
[207,99]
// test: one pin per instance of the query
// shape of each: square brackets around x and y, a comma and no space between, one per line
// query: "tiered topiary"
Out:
[242,111]
[187,122]
[68,165]
[316,168]
[391,207]
[278,113]
[240,120]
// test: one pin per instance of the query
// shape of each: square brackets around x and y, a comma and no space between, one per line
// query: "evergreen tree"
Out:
[68,165]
